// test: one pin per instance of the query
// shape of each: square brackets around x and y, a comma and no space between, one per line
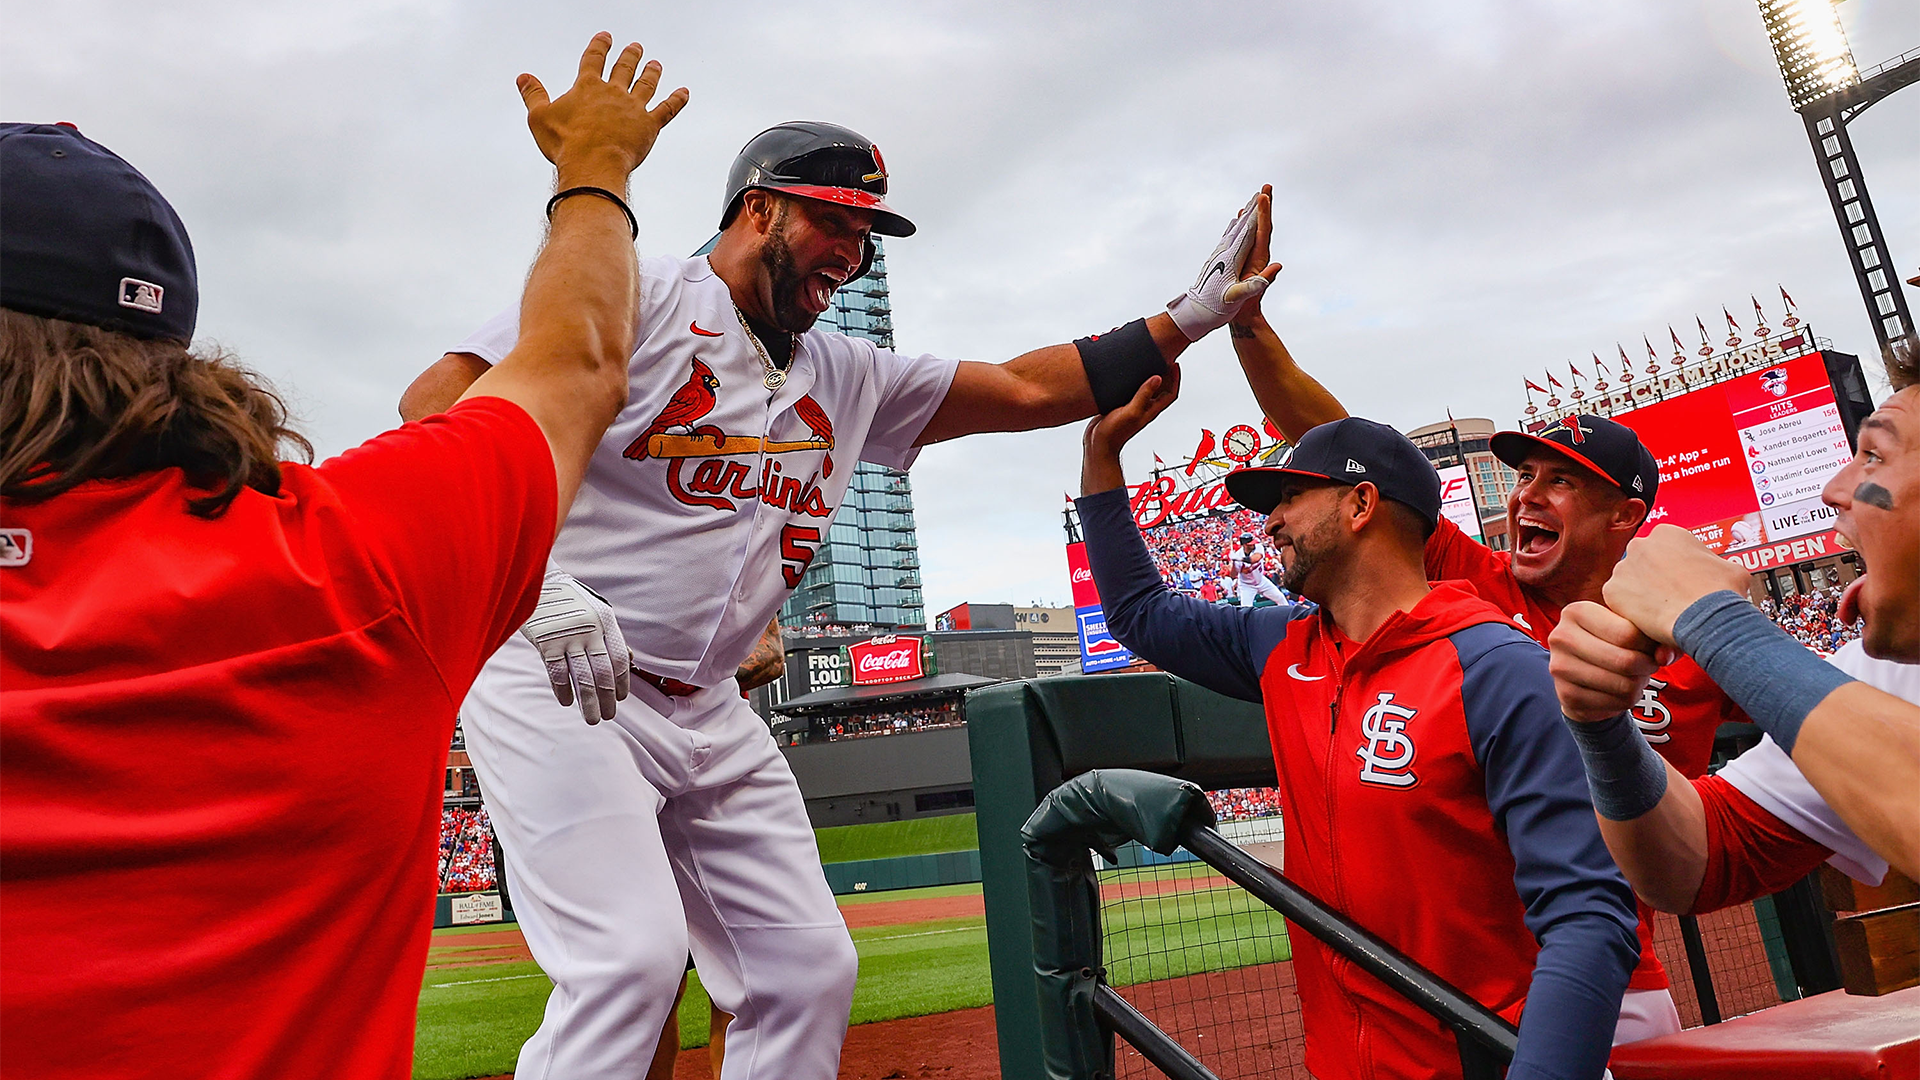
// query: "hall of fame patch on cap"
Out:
[141,295]
[16,547]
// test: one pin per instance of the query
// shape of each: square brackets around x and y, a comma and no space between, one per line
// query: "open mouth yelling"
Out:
[1535,538]
[818,292]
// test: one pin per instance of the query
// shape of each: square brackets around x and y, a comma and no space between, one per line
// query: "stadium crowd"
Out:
[1813,619]
[1192,555]
[466,850]
[867,725]
[1244,804]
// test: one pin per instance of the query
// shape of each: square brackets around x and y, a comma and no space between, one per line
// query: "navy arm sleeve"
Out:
[1579,907]
[1221,648]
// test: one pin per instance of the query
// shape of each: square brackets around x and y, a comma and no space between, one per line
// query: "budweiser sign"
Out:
[1157,502]
[886,660]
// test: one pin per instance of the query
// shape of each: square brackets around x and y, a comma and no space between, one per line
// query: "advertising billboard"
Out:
[1742,462]
[1456,501]
[1098,649]
[885,659]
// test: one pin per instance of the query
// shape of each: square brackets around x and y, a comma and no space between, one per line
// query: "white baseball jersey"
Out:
[1769,777]
[1246,568]
[704,503]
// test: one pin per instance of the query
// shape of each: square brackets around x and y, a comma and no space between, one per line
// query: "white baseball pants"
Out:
[1646,1014]
[677,825]
[1264,586]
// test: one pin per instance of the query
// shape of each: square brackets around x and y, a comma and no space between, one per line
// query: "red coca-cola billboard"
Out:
[886,660]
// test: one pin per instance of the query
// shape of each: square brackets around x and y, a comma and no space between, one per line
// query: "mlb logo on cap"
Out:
[141,295]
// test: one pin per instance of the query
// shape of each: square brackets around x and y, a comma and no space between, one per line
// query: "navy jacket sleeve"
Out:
[1579,907]
[1221,648]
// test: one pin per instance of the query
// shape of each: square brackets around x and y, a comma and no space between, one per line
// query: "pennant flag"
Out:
[1531,386]
[1651,355]
[1575,370]
[1157,461]
[1701,323]
[1675,335]
[1272,432]
[1731,325]
[1788,300]
[1758,315]
[1553,382]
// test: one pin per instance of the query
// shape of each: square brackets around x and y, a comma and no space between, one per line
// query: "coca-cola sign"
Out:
[1080,576]
[886,660]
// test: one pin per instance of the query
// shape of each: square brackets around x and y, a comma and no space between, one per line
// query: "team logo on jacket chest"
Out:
[1651,714]
[724,471]
[1387,759]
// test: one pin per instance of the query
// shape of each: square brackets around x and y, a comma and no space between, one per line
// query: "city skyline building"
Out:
[868,570]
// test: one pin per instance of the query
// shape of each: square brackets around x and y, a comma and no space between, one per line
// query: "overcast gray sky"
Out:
[1467,191]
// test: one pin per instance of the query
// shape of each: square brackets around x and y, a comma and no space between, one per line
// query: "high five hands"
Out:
[1228,280]
[601,129]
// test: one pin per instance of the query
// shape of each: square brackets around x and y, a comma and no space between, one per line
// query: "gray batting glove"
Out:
[1218,292]
[578,637]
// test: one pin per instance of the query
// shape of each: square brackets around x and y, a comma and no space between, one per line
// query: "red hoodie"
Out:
[1431,792]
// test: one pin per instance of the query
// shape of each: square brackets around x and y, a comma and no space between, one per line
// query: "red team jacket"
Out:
[1431,793]
[1679,712]
[222,762]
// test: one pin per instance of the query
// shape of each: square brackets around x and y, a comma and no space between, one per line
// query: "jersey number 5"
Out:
[797,545]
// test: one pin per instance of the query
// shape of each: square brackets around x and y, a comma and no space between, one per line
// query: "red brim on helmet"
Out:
[885,221]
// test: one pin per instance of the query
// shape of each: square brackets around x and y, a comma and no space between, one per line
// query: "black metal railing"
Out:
[1102,809]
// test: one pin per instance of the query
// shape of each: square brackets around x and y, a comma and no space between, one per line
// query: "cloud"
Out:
[1466,192]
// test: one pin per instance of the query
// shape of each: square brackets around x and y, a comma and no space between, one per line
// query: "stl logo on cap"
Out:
[1572,423]
[879,167]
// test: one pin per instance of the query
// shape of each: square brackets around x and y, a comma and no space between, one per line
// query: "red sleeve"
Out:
[1452,555]
[457,513]
[1750,853]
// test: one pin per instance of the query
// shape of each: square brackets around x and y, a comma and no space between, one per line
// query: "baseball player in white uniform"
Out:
[679,826]
[1251,580]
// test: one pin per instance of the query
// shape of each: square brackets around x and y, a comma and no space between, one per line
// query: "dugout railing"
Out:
[1079,1013]
[1027,738]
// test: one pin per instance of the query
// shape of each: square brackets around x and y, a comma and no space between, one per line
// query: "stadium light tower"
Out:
[1828,91]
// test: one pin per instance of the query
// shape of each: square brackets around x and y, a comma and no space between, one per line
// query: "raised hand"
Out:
[601,129]
[1108,432]
[1663,573]
[1224,284]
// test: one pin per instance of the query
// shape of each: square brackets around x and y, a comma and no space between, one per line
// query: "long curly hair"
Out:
[81,403]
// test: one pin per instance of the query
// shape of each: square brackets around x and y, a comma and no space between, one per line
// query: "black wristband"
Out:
[1118,361]
[633,223]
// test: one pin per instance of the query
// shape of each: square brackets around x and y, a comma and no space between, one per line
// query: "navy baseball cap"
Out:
[85,238]
[1348,451]
[1605,446]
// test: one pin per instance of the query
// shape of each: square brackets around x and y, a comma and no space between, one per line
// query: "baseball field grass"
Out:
[1163,923]
[891,839]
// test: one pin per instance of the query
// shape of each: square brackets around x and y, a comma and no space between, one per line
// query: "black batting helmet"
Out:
[819,161]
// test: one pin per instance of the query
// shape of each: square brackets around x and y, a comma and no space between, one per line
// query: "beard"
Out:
[785,281]
[1310,549]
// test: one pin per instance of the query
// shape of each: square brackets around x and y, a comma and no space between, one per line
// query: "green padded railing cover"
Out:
[1098,810]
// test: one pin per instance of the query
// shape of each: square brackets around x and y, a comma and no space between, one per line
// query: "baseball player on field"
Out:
[679,826]
[1253,582]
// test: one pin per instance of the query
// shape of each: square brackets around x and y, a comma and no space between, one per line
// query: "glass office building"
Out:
[868,571]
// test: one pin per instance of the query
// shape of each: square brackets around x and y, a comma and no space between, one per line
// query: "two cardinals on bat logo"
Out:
[677,434]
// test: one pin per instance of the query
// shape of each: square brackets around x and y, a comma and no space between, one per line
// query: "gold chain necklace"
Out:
[776,377]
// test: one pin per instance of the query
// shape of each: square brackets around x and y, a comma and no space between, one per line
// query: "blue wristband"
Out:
[1625,776]
[1777,680]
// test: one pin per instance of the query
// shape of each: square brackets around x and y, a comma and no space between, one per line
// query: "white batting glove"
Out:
[578,637]
[1216,295]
